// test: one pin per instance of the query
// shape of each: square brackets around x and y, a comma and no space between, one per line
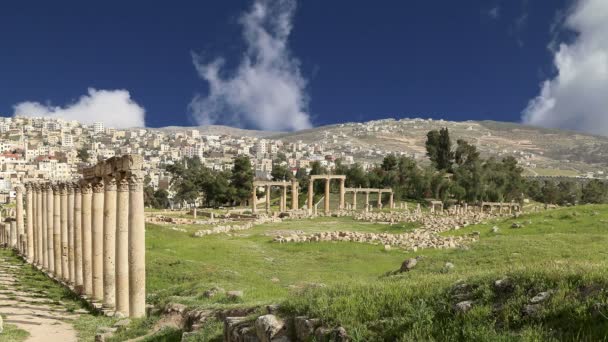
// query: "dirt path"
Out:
[43,319]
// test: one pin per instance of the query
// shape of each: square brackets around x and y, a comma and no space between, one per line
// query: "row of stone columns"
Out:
[327,179]
[267,189]
[90,234]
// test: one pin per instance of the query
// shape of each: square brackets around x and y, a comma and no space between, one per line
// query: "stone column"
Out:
[109,242]
[34,219]
[43,226]
[268,188]
[30,223]
[294,194]
[97,239]
[379,199]
[77,227]
[65,268]
[341,205]
[326,206]
[13,234]
[311,196]
[137,248]
[391,203]
[254,200]
[19,216]
[367,201]
[49,229]
[57,251]
[71,239]
[354,200]
[284,198]
[87,244]
[122,247]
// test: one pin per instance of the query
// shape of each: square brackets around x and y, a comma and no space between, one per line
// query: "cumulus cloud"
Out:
[114,108]
[266,90]
[577,96]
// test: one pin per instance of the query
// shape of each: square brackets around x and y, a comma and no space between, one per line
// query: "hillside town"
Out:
[56,150]
[43,148]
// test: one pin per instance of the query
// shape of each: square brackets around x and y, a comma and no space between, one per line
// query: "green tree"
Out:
[595,191]
[83,154]
[439,149]
[241,179]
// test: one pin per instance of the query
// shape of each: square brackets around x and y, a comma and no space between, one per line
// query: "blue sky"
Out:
[337,60]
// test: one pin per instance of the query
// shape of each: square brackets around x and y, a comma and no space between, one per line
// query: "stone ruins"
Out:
[88,234]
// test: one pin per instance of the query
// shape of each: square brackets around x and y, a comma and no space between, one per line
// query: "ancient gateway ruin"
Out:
[88,234]
[268,187]
[367,191]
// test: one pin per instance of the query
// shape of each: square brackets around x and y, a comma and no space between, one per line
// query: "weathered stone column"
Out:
[391,203]
[30,222]
[87,243]
[137,248]
[379,199]
[19,216]
[254,200]
[57,231]
[294,194]
[284,198]
[97,239]
[65,268]
[109,242]
[326,206]
[367,201]
[268,188]
[71,261]
[122,246]
[311,196]
[49,229]
[77,238]
[43,226]
[13,234]
[354,200]
[34,219]
[341,205]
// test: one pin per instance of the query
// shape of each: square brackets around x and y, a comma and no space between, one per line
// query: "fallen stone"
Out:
[268,327]
[541,297]
[234,294]
[408,265]
[463,306]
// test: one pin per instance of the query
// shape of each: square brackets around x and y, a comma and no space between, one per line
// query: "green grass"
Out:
[13,334]
[562,250]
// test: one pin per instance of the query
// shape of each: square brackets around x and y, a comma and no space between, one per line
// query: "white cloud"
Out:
[577,97]
[494,12]
[266,90]
[114,108]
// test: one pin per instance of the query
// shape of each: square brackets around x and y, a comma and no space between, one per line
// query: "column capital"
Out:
[85,187]
[76,187]
[35,187]
[19,189]
[63,190]
[136,181]
[98,186]
[55,188]
[122,184]
[109,182]
[28,186]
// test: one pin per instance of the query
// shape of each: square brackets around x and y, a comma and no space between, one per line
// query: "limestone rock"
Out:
[234,294]
[1,325]
[495,229]
[541,297]
[305,327]
[269,327]
[463,306]
[408,264]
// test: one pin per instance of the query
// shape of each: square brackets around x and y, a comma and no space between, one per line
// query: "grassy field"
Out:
[562,251]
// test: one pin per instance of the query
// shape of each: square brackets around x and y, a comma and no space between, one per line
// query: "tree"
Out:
[439,149]
[83,154]
[241,179]
[595,191]
[280,172]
